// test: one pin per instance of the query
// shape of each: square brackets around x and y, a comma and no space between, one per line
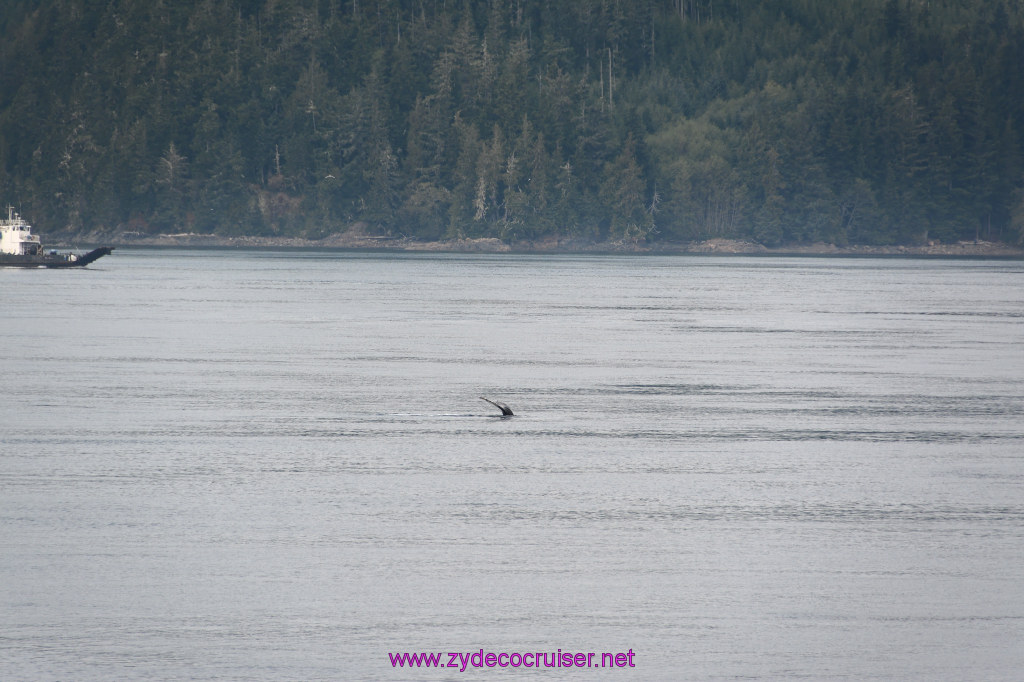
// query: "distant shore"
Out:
[491,245]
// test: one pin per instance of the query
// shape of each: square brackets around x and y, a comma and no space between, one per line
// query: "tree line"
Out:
[782,121]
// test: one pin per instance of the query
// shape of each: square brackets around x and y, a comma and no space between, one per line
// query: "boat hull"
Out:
[54,260]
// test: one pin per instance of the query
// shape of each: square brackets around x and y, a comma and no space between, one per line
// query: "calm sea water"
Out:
[275,466]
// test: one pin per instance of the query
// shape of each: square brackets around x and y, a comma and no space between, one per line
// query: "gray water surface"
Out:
[259,465]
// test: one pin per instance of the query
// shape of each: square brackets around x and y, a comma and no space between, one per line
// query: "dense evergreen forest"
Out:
[780,121]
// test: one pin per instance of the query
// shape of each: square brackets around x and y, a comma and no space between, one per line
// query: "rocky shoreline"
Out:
[350,240]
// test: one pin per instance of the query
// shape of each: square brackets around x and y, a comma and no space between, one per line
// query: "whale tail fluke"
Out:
[506,411]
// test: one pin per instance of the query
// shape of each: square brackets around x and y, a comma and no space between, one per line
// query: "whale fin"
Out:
[506,411]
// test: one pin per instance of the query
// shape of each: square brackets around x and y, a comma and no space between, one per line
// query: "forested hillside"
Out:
[781,121]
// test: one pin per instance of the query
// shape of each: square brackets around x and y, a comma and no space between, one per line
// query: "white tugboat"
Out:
[20,248]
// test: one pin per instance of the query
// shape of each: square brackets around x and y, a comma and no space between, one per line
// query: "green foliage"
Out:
[870,121]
